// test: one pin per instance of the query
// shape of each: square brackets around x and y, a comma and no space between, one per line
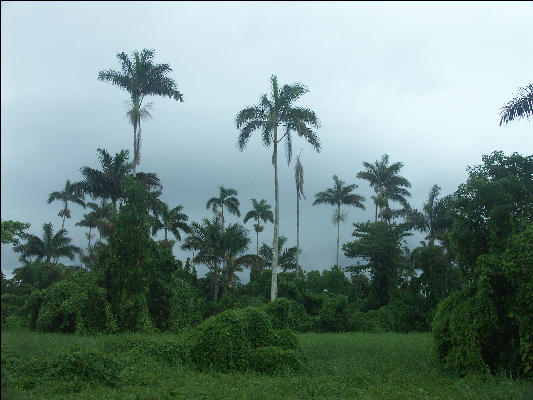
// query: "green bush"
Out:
[86,365]
[76,304]
[227,341]
[332,316]
[274,359]
[11,303]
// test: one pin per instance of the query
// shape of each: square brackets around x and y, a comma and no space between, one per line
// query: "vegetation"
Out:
[143,323]
[519,107]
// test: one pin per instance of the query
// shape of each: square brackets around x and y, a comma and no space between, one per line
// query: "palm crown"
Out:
[519,107]
[386,182]
[173,220]
[226,198]
[51,245]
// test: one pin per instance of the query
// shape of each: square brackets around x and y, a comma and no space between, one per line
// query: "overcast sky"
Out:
[422,82]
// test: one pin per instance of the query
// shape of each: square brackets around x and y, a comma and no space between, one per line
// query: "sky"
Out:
[421,82]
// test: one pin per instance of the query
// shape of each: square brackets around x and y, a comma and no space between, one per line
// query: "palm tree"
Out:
[206,238]
[299,178]
[71,192]
[51,245]
[340,194]
[286,256]
[260,211]
[386,182]
[226,197]
[269,115]
[140,77]
[519,107]
[107,182]
[89,221]
[172,220]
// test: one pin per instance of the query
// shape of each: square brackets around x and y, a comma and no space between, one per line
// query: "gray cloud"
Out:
[423,83]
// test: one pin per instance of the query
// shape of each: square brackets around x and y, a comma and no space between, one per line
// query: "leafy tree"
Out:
[50,245]
[71,192]
[12,231]
[379,244]
[387,183]
[140,77]
[340,194]
[286,257]
[172,220]
[519,107]
[489,207]
[227,198]
[260,211]
[270,114]
[299,179]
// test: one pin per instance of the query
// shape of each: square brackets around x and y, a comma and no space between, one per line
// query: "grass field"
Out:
[340,366]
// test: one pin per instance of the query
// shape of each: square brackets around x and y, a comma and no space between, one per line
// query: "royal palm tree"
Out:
[226,198]
[299,179]
[50,245]
[71,192]
[260,211]
[172,220]
[339,195]
[519,107]
[386,182]
[268,116]
[140,77]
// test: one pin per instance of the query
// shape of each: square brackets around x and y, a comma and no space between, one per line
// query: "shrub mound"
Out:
[86,365]
[244,339]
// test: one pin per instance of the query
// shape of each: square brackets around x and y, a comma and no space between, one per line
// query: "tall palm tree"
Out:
[51,245]
[172,220]
[71,192]
[272,113]
[140,77]
[260,211]
[386,182]
[226,198]
[339,195]
[107,182]
[519,107]
[299,179]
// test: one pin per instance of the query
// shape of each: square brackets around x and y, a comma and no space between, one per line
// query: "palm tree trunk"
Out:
[134,149]
[297,231]
[274,286]
[257,241]
[376,220]
[89,246]
[64,216]
[338,230]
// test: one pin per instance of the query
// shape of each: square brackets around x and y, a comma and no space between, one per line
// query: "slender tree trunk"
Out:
[165,234]
[297,231]
[376,220]
[274,287]
[89,246]
[257,241]
[338,230]
[64,216]
[135,149]
[215,282]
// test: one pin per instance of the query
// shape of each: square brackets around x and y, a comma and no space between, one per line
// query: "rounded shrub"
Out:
[228,341]
[332,316]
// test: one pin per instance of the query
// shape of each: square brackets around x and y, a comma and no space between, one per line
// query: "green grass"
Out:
[340,366]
